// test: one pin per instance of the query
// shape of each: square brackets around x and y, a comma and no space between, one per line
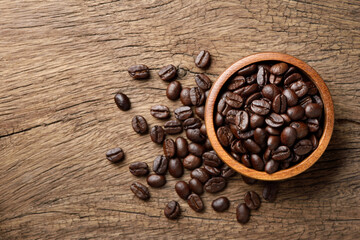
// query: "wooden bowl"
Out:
[328,118]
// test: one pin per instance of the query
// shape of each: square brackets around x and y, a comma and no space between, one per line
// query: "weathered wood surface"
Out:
[61,63]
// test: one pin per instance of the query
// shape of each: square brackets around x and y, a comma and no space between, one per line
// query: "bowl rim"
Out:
[328,116]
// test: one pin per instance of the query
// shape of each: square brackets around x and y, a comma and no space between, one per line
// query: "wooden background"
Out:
[61,63]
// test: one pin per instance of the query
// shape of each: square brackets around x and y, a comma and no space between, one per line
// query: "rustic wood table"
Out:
[61,62]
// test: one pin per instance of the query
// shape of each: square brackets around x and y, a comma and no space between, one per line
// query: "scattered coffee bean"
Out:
[196,186]
[140,71]
[191,162]
[173,127]
[270,191]
[215,184]
[196,149]
[139,124]
[271,166]
[192,123]
[139,169]
[252,200]
[248,180]
[195,202]
[221,204]
[169,148]
[203,81]
[115,155]
[157,134]
[160,165]
[203,59]
[213,171]
[195,135]
[122,101]
[197,96]
[200,111]
[172,210]
[173,90]
[175,168]
[167,73]
[211,159]
[242,213]
[155,180]
[182,189]
[181,147]
[200,174]
[183,113]
[185,97]
[140,191]
[160,112]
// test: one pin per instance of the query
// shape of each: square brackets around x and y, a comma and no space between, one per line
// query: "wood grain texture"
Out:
[61,63]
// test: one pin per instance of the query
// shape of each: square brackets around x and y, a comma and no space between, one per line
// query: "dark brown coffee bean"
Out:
[181,147]
[115,155]
[175,167]
[212,171]
[215,184]
[122,101]
[237,146]
[300,88]
[140,191]
[203,129]
[292,78]
[271,166]
[260,107]
[221,105]
[196,149]
[236,156]
[260,136]
[139,169]
[279,68]
[273,79]
[288,136]
[196,186]
[242,213]
[203,81]
[173,90]
[195,202]
[252,200]
[252,97]
[262,76]
[182,113]
[274,120]
[313,110]
[197,96]
[211,159]
[247,90]
[227,172]
[267,155]
[236,83]
[248,70]
[191,162]
[318,100]
[251,79]
[207,145]
[140,71]
[245,159]
[231,116]
[182,189]
[251,146]
[287,119]
[167,73]
[301,129]
[172,210]
[192,123]
[160,112]
[279,104]
[200,174]
[157,134]
[256,162]
[312,88]
[195,135]
[169,148]
[173,127]
[314,141]
[234,100]
[221,204]
[200,111]
[225,136]
[290,71]
[256,121]
[296,113]
[291,97]
[156,181]
[303,147]
[242,120]
[245,135]
[281,153]
[270,191]
[273,142]
[248,180]
[139,124]
[272,131]
[270,91]
[160,165]
[203,59]
[313,124]
[185,97]
[305,101]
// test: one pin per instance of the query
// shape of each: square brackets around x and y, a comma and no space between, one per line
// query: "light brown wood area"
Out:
[61,63]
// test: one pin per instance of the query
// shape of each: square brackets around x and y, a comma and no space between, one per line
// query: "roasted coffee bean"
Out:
[200,174]
[288,136]
[175,167]
[181,147]
[169,148]
[173,127]
[235,156]
[237,146]
[319,133]
[248,180]
[207,145]
[139,124]
[290,71]
[252,97]
[140,191]
[212,170]
[185,97]
[183,113]
[203,129]
[270,91]
[140,71]
[122,101]
[256,121]
[173,90]
[287,119]
[115,155]
[267,155]
[195,202]
[242,213]
[271,166]
[192,123]
[251,146]
[312,88]
[196,149]
[167,73]
[284,164]
[172,210]
[314,141]
[300,88]
[273,142]
[156,181]
[270,191]
[157,134]
[252,200]
[139,168]
[227,172]
[262,76]
[195,135]
[281,153]
[225,136]
[279,104]
[296,113]
[303,147]
[292,78]
[234,100]
[318,100]
[251,79]
[197,96]
[221,105]
[191,162]
[279,68]
[246,135]
[242,120]
[182,189]
[211,159]
[301,129]
[313,110]
[291,97]
[256,162]
[273,79]
[260,107]
[215,184]
[247,90]
[231,116]
[245,159]
[305,101]
[203,81]
[313,124]
[221,204]
[160,165]
[196,186]
[160,112]
[274,120]
[203,59]
[248,70]
[272,131]
[200,111]
[236,83]
[260,136]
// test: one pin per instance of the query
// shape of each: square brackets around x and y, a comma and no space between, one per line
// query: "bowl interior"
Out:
[328,116]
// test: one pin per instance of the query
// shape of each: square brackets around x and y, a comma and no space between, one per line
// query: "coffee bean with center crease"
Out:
[300,88]
[245,159]
[236,83]
[260,107]
[203,59]
[220,204]
[196,149]
[211,159]
[196,186]
[291,97]
[155,180]
[139,168]
[270,91]
[181,147]
[185,97]
[303,147]
[139,124]
[274,120]
[305,101]
[300,128]
[173,90]
[231,116]
[195,135]
[318,100]
[160,165]
[242,213]
[292,78]
[225,136]
[313,110]
[256,162]
[252,200]
[200,174]
[183,113]
[256,121]
[270,191]
[247,90]
[271,166]
[200,111]
[279,104]
[215,184]
[169,148]
[281,153]
[212,171]
[296,113]
[260,136]
[140,71]
[115,155]
[140,191]
[203,129]
[160,112]
[313,124]
[252,97]
[192,123]
[288,136]
[242,120]
[203,81]
[172,210]
[262,76]
[197,96]
[173,127]
[252,146]
[157,134]
[182,189]
[251,79]
[167,73]
[237,146]
[248,70]
[195,202]
[122,101]
[234,100]
[191,162]
[175,167]
[273,142]
[279,68]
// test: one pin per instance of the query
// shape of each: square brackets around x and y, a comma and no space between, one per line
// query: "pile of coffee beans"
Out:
[269,116]
[193,153]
